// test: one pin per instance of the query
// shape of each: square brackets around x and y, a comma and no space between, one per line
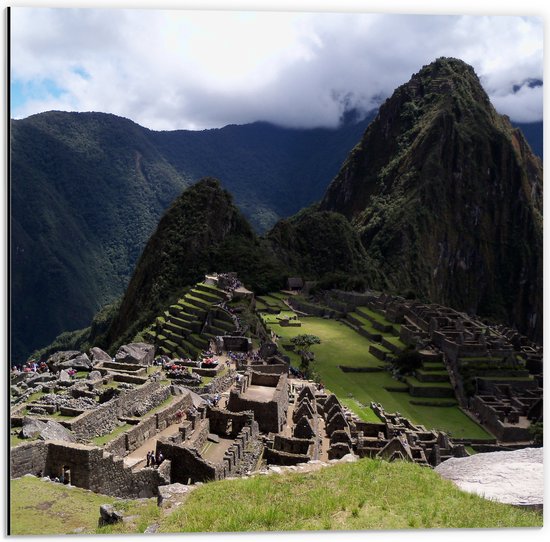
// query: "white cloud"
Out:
[193,69]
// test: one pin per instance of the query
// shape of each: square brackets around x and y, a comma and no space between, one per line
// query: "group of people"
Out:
[30,367]
[154,460]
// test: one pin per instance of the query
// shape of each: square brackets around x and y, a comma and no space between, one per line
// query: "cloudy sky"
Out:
[203,69]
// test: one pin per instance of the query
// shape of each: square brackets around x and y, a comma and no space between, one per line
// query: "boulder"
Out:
[79,362]
[64,376]
[94,375]
[97,355]
[69,359]
[31,427]
[509,477]
[108,515]
[55,431]
[62,356]
[40,379]
[171,494]
[139,353]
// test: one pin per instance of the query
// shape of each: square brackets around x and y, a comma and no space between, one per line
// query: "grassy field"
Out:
[368,494]
[47,508]
[341,345]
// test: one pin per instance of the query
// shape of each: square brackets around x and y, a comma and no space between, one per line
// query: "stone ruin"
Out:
[265,417]
[503,366]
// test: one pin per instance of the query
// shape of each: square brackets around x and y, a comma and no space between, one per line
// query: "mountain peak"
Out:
[442,190]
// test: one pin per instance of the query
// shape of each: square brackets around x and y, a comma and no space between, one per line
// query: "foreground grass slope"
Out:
[46,508]
[368,494]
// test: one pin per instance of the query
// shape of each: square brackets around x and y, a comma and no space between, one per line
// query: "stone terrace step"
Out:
[211,299]
[198,341]
[182,317]
[201,303]
[210,289]
[223,324]
[199,312]
[432,376]
[180,330]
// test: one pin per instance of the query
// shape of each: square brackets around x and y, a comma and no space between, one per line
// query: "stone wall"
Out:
[104,418]
[88,467]
[270,415]
[228,424]
[187,465]
[28,458]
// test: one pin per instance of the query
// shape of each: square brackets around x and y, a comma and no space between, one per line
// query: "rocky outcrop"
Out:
[69,359]
[140,353]
[97,355]
[510,477]
[50,430]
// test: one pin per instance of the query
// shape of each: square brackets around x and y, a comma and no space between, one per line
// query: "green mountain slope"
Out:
[201,232]
[87,190]
[86,193]
[447,198]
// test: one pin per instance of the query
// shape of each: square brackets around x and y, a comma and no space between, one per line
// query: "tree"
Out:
[304,343]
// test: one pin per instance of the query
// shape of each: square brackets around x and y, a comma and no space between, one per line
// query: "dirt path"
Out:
[138,458]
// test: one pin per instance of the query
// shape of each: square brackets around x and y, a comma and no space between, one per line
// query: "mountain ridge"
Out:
[88,189]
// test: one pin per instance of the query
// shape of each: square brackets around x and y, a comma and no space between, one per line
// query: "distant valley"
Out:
[88,189]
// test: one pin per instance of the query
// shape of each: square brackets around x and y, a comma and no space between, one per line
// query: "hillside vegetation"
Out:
[88,189]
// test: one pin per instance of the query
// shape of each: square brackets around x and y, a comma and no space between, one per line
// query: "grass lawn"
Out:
[46,508]
[341,345]
[368,494]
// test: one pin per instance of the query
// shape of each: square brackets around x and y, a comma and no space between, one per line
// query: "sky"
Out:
[170,69]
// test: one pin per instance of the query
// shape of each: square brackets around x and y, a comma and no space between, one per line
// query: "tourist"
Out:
[152,458]
[148,458]
[160,458]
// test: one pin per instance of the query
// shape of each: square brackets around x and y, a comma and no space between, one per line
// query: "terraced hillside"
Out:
[352,362]
[187,327]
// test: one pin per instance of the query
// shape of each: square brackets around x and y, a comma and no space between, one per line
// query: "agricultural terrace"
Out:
[341,345]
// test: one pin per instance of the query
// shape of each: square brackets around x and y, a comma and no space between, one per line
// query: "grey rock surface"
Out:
[81,361]
[509,477]
[97,355]
[55,431]
[94,375]
[171,494]
[31,427]
[140,353]
[108,515]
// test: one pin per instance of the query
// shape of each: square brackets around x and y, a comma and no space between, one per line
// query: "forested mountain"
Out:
[446,197]
[87,191]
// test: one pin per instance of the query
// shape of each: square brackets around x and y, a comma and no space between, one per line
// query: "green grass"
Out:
[418,384]
[341,345]
[274,318]
[15,440]
[35,396]
[46,508]
[368,494]
[104,439]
